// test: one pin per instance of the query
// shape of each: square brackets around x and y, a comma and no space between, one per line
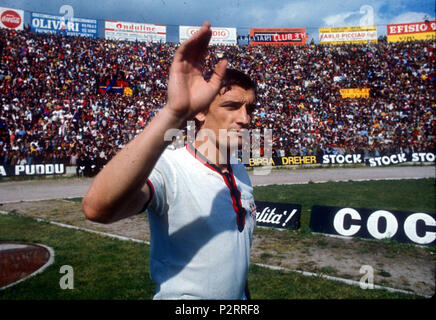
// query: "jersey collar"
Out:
[229,180]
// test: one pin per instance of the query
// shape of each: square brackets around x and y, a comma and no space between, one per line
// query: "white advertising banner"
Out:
[348,35]
[11,18]
[131,31]
[221,36]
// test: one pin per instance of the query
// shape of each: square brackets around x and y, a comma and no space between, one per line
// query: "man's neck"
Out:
[213,154]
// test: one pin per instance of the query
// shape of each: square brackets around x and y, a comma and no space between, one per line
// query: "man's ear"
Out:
[199,119]
[200,116]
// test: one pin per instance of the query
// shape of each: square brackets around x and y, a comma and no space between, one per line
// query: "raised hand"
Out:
[119,190]
[188,92]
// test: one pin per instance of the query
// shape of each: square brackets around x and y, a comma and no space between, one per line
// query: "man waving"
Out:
[200,204]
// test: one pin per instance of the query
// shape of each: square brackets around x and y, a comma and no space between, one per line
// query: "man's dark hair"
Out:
[232,77]
[237,78]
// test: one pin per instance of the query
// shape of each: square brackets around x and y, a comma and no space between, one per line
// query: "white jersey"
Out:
[201,224]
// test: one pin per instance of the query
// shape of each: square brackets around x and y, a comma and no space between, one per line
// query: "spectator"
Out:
[51,108]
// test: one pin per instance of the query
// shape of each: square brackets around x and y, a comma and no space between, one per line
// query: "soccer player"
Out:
[199,199]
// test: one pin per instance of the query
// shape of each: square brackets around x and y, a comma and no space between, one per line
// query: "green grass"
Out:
[78,200]
[271,284]
[106,269]
[43,177]
[402,195]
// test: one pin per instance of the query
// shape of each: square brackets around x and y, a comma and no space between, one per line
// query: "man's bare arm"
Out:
[119,190]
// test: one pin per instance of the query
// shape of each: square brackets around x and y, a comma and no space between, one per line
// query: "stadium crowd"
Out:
[52,110]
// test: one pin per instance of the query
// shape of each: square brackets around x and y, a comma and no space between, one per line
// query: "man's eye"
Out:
[250,109]
[232,105]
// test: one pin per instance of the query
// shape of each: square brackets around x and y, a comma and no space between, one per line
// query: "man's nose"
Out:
[243,116]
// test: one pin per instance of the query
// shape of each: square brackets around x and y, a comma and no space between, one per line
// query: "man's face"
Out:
[229,113]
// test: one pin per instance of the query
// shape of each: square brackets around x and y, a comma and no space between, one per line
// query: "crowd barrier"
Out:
[90,170]
[406,227]
[385,160]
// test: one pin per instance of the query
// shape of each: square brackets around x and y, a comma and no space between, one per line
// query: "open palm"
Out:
[188,92]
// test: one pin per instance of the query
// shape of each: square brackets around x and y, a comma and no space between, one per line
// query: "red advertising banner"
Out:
[425,30]
[278,36]
[11,18]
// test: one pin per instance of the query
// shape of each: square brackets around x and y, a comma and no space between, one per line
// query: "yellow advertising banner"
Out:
[128,91]
[355,93]
[343,35]
[347,29]
[412,37]
[278,161]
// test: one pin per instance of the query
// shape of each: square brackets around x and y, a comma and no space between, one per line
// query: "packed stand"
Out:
[52,110]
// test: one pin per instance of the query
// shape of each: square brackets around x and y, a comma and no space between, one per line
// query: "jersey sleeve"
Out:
[162,185]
